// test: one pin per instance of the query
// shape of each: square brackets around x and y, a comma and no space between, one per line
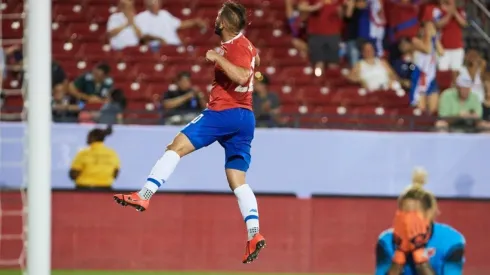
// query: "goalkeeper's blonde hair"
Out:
[416,191]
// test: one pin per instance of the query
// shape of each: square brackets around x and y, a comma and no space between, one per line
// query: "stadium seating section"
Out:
[79,42]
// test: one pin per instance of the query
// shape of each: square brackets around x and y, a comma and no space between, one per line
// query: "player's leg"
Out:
[237,161]
[165,166]
[197,134]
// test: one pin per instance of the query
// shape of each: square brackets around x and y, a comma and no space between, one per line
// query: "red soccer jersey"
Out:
[226,94]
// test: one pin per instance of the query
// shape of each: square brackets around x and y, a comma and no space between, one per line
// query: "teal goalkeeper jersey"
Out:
[445,249]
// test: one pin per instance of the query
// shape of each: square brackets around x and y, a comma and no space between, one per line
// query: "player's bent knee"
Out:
[181,145]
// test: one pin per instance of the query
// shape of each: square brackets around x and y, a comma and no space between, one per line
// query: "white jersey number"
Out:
[250,87]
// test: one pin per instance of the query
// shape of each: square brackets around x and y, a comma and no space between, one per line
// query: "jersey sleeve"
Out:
[454,258]
[77,163]
[240,56]
[383,255]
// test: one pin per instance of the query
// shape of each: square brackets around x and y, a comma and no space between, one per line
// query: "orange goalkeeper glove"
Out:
[410,233]
[418,235]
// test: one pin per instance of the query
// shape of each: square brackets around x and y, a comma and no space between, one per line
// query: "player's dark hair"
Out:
[99,135]
[417,192]
[104,67]
[235,14]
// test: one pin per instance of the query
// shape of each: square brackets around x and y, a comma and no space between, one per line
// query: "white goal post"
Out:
[39,136]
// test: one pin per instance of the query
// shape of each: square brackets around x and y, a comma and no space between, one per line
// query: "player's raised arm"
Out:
[237,74]
[384,265]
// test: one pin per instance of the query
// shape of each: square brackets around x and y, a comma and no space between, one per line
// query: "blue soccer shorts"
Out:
[232,128]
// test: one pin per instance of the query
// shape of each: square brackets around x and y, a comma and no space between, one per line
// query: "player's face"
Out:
[218,24]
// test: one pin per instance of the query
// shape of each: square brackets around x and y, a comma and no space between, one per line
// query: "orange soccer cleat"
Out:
[253,248]
[133,200]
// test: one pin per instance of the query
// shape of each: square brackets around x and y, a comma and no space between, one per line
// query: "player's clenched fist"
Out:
[212,55]
[410,233]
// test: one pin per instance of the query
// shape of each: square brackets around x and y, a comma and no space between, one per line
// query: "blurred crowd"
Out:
[379,45]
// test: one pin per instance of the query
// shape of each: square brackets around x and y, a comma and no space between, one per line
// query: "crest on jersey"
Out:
[430,252]
[220,51]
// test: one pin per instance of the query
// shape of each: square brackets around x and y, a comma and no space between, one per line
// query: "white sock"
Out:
[248,206]
[160,173]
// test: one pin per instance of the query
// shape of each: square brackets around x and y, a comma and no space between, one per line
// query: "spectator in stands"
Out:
[352,17]
[459,108]
[266,104]
[450,21]
[97,166]
[64,107]
[475,66]
[11,60]
[373,73]
[159,27]
[112,112]
[403,65]
[297,26]
[122,28]
[182,102]
[324,25]
[58,77]
[93,86]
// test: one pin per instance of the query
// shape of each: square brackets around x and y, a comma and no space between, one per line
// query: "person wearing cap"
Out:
[459,108]
[182,102]
[265,103]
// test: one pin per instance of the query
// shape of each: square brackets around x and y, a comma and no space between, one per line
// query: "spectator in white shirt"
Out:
[122,28]
[159,27]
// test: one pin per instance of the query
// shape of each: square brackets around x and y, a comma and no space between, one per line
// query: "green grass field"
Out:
[83,272]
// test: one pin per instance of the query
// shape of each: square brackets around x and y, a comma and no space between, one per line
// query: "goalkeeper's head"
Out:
[232,19]
[416,198]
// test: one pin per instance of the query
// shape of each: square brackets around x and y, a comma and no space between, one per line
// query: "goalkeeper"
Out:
[416,245]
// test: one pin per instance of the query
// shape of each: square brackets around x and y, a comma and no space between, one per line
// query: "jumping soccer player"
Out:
[417,245]
[229,120]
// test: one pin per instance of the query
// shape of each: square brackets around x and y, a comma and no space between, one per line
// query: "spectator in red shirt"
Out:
[450,21]
[324,27]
